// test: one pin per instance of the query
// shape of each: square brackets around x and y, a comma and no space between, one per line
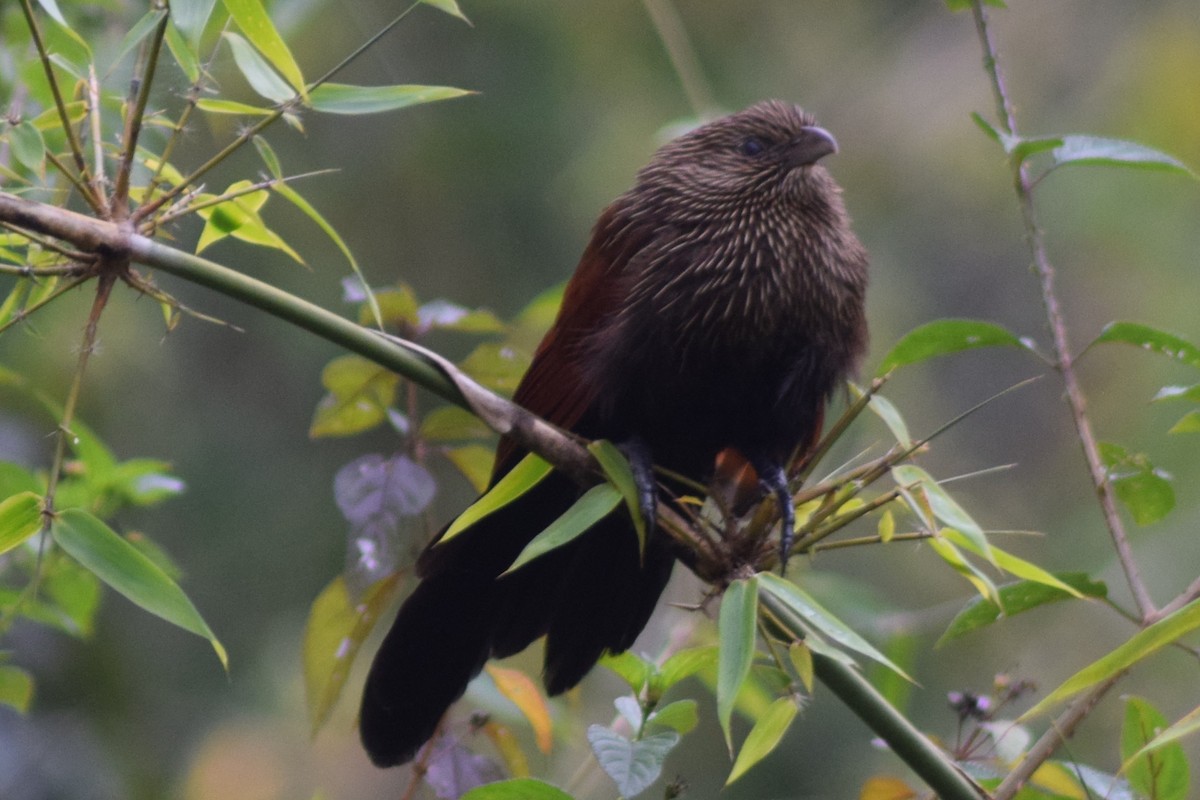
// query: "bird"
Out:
[717,307]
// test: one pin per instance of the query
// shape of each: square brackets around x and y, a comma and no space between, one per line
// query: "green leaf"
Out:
[183,53]
[687,663]
[528,473]
[360,392]
[452,424]
[1018,597]
[1152,339]
[15,479]
[1014,565]
[446,316]
[16,688]
[13,302]
[632,765]
[630,667]
[964,5]
[231,107]
[140,30]
[119,564]
[1160,773]
[75,595]
[1190,393]
[1185,726]
[238,217]
[1188,423]
[448,6]
[397,306]
[340,98]
[595,504]
[766,734]
[1096,150]
[1141,645]
[20,518]
[474,461]
[887,411]
[680,716]
[944,506]
[28,147]
[517,789]
[192,16]
[496,366]
[252,18]
[816,615]
[257,72]
[619,473]
[943,337]
[952,556]
[336,628]
[51,8]
[736,628]
[1143,489]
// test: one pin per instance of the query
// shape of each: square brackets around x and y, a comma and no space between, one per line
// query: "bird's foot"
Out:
[774,480]
[638,453]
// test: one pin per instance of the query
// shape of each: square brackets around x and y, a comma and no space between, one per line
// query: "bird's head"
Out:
[765,154]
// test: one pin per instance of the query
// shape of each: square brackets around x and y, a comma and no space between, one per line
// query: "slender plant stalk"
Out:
[64,118]
[1062,348]
[679,49]
[142,82]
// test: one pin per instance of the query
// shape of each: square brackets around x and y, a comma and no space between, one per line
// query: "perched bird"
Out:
[717,306]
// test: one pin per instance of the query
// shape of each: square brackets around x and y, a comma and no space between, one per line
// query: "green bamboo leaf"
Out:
[51,8]
[252,18]
[448,6]
[336,628]
[16,688]
[944,506]
[1190,393]
[595,504]
[633,765]
[528,473]
[192,16]
[816,615]
[15,479]
[517,789]
[887,411]
[257,72]
[1152,339]
[943,337]
[20,518]
[183,53]
[140,30]
[1014,565]
[1096,150]
[1159,772]
[766,734]
[119,564]
[1141,487]
[681,716]
[1018,597]
[619,473]
[952,556]
[231,107]
[736,628]
[340,98]
[1140,646]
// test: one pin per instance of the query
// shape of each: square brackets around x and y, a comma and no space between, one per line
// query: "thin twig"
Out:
[1062,348]
[142,82]
[679,49]
[98,178]
[64,118]
[183,210]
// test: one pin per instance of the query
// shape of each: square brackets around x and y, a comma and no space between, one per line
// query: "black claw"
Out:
[638,453]
[774,480]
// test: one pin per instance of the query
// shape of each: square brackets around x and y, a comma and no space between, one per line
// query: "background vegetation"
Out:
[487,200]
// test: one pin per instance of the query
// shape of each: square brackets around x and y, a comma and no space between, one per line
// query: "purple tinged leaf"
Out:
[373,485]
[452,770]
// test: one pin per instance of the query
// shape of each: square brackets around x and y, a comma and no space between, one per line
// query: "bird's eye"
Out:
[752,146]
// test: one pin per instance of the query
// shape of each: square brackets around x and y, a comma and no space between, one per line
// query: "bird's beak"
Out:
[811,146]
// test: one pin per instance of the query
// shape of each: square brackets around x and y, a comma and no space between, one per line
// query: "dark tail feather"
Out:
[438,643]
